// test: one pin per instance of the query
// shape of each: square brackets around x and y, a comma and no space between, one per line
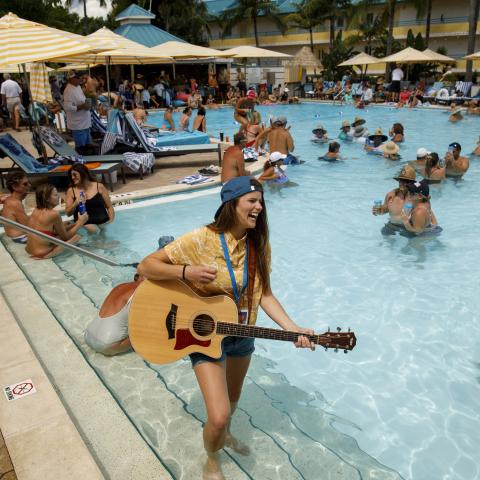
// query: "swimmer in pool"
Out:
[333,152]
[456,165]
[396,199]
[420,218]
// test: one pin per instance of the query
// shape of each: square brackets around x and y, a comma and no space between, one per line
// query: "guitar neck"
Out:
[252,331]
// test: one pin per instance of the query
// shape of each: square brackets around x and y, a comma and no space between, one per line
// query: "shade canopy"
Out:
[186,50]
[473,56]
[247,51]
[18,69]
[39,83]
[303,58]
[360,59]
[122,51]
[408,55]
[23,41]
[438,57]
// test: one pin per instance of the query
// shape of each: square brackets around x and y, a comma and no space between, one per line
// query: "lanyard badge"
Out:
[242,314]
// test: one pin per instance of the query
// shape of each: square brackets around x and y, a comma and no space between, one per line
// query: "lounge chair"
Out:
[33,168]
[170,150]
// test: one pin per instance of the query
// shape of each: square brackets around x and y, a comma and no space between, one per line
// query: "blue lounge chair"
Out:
[33,168]
[168,150]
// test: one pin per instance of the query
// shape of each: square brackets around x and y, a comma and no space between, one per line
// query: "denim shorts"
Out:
[231,347]
[81,137]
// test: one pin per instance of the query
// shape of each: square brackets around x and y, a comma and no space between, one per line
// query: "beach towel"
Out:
[21,156]
[139,161]
[195,179]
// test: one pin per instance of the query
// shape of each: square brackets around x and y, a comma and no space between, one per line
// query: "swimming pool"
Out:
[405,402]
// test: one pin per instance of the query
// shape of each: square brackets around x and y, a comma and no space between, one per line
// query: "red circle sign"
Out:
[22,388]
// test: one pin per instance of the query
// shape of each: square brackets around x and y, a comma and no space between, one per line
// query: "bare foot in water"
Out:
[236,445]
[212,469]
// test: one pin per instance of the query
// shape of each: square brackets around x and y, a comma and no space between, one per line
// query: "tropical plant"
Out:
[73,3]
[307,17]
[331,11]
[424,9]
[341,51]
[250,10]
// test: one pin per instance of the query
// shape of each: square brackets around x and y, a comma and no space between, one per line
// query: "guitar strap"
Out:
[251,274]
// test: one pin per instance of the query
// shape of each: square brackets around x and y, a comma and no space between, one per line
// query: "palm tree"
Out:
[331,11]
[72,3]
[472,33]
[307,17]
[250,10]
[424,9]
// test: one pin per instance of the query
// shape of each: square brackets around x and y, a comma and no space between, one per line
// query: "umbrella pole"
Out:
[132,72]
[108,79]
[173,70]
[35,117]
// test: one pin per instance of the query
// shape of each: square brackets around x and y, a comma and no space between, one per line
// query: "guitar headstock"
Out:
[338,340]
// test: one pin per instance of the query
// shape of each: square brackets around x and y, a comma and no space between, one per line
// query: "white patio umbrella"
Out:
[247,51]
[438,57]
[407,55]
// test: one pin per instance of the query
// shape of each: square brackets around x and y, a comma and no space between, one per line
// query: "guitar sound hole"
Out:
[203,325]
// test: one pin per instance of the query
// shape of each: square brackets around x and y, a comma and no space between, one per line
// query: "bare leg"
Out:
[211,377]
[118,347]
[237,368]
[59,249]
[16,117]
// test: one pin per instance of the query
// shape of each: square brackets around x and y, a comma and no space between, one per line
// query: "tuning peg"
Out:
[339,329]
[345,352]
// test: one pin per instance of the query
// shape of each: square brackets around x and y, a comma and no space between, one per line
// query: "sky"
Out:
[93,8]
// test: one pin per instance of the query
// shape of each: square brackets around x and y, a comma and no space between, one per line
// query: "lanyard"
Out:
[230,270]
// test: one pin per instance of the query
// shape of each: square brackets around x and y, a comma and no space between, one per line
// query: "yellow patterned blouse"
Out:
[203,247]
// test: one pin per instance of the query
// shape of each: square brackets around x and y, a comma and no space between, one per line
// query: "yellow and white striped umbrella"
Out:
[121,51]
[18,68]
[23,41]
[39,84]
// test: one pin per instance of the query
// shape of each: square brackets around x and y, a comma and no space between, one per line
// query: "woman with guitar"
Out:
[232,256]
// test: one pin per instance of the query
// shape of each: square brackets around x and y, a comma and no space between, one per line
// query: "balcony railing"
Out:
[325,27]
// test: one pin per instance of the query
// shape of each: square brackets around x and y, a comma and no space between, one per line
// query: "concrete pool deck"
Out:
[91,440]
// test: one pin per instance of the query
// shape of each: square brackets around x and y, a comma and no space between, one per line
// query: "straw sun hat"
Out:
[406,173]
[358,121]
[378,134]
[345,124]
[391,148]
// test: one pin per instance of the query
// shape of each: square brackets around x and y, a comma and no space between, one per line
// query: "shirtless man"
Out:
[233,164]
[18,185]
[140,115]
[243,107]
[279,139]
[168,118]
[396,199]
[455,164]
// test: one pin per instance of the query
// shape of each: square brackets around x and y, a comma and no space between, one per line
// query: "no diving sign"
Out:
[19,390]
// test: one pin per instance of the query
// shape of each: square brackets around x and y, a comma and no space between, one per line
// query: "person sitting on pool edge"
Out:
[97,200]
[48,221]
[395,200]
[456,166]
[279,139]
[333,152]
[420,218]
[13,209]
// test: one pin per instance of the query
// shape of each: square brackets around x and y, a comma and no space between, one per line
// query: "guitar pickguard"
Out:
[184,339]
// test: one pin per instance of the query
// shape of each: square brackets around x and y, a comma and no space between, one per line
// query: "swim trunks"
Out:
[20,239]
[231,347]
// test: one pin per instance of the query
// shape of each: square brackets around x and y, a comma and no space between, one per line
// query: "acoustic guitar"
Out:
[168,320]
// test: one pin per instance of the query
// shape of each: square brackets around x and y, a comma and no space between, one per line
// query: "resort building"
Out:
[449,28]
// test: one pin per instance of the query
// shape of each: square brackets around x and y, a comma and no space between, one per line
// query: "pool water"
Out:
[405,403]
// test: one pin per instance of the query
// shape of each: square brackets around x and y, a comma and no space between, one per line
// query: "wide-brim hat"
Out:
[359,131]
[281,120]
[406,173]
[378,134]
[457,111]
[319,129]
[345,124]
[358,121]
[235,188]
[390,147]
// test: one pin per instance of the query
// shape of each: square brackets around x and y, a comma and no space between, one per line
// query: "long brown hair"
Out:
[82,170]
[42,195]
[432,161]
[227,219]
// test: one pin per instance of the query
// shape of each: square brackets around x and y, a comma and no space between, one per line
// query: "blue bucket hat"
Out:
[235,188]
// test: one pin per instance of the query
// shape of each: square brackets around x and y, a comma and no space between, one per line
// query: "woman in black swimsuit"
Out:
[97,201]
[199,122]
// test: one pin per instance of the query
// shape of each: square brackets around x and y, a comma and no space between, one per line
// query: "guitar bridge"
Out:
[170,321]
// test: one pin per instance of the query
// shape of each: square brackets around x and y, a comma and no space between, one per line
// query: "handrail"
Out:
[66,245]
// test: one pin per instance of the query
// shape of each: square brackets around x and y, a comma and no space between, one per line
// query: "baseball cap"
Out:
[276,156]
[421,188]
[73,74]
[235,188]
[455,145]
[422,152]
[286,90]
[251,94]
